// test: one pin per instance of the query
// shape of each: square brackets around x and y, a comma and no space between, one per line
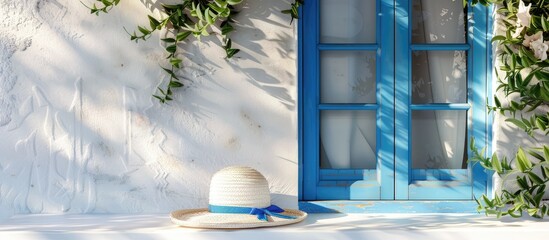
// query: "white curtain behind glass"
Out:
[348,138]
[442,79]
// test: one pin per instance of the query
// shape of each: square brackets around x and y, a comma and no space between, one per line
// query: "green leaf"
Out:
[183,35]
[532,211]
[168,40]
[199,14]
[159,98]
[536,155]
[517,123]
[161,91]
[171,49]
[539,196]
[544,24]
[534,178]
[287,11]
[523,163]
[209,17]
[215,8]
[528,54]
[233,2]
[143,30]
[221,3]
[170,72]
[155,24]
[231,52]
[546,152]
[175,62]
[226,27]
[540,124]
[472,144]
[487,201]
[168,7]
[514,213]
[496,164]
[498,38]
[521,181]
[176,84]
[497,102]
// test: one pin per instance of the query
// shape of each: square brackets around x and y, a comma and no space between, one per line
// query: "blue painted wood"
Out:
[348,174]
[354,190]
[385,97]
[439,47]
[402,99]
[348,47]
[406,187]
[348,107]
[315,177]
[478,83]
[300,105]
[440,174]
[388,206]
[440,190]
[441,106]
[489,94]
[310,98]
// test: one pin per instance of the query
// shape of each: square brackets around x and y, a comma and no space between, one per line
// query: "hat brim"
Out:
[201,218]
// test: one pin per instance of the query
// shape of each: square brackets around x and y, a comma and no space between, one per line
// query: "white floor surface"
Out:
[316,226]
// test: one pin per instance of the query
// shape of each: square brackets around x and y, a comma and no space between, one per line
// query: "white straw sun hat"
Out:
[239,198]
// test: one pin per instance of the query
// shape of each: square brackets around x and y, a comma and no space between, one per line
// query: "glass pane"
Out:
[439,21]
[439,139]
[348,139]
[347,77]
[439,77]
[347,21]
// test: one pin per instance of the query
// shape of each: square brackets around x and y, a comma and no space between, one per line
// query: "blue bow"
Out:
[261,213]
[272,210]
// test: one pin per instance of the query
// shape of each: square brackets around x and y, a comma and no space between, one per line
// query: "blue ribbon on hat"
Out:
[261,213]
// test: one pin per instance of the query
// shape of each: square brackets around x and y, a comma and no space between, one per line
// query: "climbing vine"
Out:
[523,78]
[186,22]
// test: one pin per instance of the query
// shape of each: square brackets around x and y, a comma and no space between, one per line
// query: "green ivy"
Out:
[531,184]
[523,79]
[294,10]
[187,21]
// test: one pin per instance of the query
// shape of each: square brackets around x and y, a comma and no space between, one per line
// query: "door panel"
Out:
[387,109]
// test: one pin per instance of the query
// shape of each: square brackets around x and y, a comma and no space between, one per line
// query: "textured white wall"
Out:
[79,131]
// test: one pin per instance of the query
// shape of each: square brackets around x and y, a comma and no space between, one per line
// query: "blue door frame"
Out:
[393,176]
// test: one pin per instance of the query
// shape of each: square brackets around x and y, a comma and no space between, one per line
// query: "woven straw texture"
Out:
[237,187]
[201,218]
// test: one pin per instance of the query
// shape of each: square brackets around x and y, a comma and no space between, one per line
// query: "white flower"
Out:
[517,32]
[529,39]
[523,14]
[540,48]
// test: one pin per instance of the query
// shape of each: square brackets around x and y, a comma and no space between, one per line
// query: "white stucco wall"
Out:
[80,132]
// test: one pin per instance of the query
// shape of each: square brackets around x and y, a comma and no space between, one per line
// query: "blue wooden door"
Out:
[392,91]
